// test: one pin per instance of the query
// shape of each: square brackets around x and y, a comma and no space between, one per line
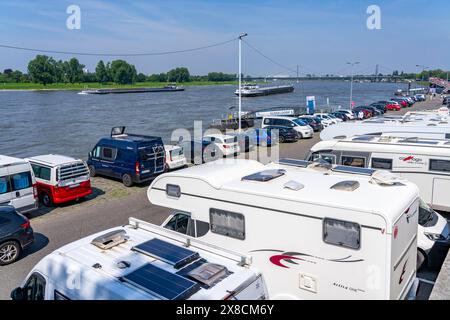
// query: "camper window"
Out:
[353,161]
[35,288]
[439,165]
[379,163]
[330,158]
[226,223]
[342,233]
[59,296]
[109,153]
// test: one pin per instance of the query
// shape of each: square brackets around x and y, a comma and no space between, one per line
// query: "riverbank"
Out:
[92,86]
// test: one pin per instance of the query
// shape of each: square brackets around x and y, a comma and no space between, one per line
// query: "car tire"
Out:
[92,171]
[9,252]
[46,199]
[127,180]
[281,139]
[422,259]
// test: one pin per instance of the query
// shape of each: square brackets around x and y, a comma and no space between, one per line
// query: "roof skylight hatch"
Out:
[347,185]
[265,175]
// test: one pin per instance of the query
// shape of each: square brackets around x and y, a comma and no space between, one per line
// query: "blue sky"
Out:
[320,36]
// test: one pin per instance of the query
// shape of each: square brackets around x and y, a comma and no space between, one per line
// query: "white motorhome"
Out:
[426,162]
[141,261]
[314,235]
[17,184]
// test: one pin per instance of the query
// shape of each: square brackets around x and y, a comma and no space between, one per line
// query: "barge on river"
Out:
[169,88]
[248,90]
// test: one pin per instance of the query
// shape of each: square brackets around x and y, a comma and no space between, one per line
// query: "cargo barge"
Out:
[257,91]
[170,88]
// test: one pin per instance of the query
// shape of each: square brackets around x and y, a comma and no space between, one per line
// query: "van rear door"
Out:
[151,157]
[404,252]
[22,181]
[5,189]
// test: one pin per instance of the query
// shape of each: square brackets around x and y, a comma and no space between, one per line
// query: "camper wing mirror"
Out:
[18,294]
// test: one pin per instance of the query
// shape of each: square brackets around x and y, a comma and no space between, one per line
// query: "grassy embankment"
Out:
[83,86]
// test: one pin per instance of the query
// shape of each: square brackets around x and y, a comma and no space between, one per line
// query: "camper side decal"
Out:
[290,256]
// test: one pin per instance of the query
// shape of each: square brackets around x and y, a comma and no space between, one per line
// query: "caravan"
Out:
[141,261]
[314,234]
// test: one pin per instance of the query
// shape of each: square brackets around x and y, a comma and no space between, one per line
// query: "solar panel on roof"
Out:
[355,170]
[162,283]
[167,252]
[294,162]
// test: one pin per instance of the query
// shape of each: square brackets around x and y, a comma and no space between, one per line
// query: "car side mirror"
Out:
[18,294]
[90,154]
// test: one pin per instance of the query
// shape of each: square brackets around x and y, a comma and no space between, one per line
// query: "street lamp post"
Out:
[240,77]
[351,82]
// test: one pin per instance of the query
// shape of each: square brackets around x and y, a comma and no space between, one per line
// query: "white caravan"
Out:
[17,184]
[416,128]
[141,261]
[426,162]
[314,235]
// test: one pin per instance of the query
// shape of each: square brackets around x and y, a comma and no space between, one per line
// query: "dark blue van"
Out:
[132,158]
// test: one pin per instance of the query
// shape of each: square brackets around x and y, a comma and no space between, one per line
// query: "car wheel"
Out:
[281,139]
[92,171]
[126,180]
[46,199]
[9,252]
[422,259]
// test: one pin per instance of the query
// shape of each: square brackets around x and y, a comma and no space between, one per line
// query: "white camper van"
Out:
[426,162]
[141,261]
[17,184]
[314,235]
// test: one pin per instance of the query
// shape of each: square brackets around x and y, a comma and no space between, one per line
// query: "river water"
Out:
[64,122]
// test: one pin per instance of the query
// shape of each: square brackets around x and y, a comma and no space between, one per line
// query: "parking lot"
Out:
[111,204]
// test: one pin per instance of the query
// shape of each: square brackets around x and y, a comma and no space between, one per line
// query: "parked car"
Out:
[403,103]
[200,151]
[285,134]
[339,115]
[367,112]
[380,106]
[60,179]
[227,145]
[17,184]
[332,116]
[132,158]
[263,137]
[313,122]
[245,142]
[174,157]
[393,105]
[327,118]
[420,97]
[302,128]
[375,111]
[446,100]
[349,113]
[16,234]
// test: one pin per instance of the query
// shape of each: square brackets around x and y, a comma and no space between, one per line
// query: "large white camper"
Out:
[142,261]
[426,162]
[314,234]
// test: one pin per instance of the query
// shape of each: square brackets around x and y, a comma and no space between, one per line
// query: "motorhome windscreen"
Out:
[294,162]
[354,170]
[264,176]
[162,283]
[167,252]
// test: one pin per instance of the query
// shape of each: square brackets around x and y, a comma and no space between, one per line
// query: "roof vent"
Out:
[383,177]
[320,165]
[293,185]
[110,239]
[209,273]
[348,185]
[264,176]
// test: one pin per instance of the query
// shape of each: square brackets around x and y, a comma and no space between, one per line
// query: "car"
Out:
[285,134]
[132,158]
[200,151]
[263,137]
[420,97]
[313,122]
[245,142]
[380,106]
[332,116]
[403,103]
[326,117]
[339,115]
[174,157]
[302,128]
[393,105]
[226,144]
[446,100]
[60,179]
[16,234]
[17,184]
[375,111]
[367,113]
[349,113]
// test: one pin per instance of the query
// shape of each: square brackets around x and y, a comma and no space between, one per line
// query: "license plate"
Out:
[74,185]
[145,171]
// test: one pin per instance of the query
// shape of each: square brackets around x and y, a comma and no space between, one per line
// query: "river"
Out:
[64,122]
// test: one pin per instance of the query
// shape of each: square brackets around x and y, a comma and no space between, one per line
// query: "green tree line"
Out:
[46,70]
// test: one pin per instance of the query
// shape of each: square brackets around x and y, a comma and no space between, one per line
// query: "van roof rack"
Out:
[119,133]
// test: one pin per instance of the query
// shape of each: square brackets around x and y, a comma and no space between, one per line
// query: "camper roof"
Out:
[53,159]
[6,161]
[280,182]
[122,262]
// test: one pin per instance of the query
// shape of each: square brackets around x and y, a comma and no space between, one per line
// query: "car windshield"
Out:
[299,122]
[425,213]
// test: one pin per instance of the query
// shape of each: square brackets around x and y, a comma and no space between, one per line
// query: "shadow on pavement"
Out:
[40,242]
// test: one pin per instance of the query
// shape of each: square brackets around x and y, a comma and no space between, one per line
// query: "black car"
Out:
[15,234]
[285,134]
[380,106]
[313,122]
[446,100]
[340,115]
[200,151]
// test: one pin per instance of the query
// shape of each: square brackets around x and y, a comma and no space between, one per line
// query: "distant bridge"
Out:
[372,78]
